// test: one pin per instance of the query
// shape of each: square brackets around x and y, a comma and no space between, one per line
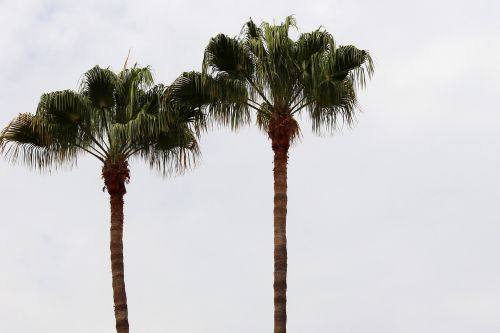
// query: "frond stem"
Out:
[99,157]
[294,97]
[253,107]
[106,126]
[254,102]
[131,152]
[297,104]
[300,108]
[104,151]
[97,152]
[261,93]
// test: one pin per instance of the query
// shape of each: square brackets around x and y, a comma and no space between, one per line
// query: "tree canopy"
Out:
[112,117]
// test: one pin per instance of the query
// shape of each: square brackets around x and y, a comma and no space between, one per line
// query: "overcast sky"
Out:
[393,225]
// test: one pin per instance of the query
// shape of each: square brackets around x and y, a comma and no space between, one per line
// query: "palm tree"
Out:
[263,70]
[113,117]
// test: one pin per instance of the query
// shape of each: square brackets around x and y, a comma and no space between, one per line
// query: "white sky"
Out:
[393,226]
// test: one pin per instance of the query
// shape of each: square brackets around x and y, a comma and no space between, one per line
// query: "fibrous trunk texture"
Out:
[116,175]
[281,130]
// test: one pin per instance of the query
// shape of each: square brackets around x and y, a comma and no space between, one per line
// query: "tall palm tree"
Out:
[113,117]
[266,72]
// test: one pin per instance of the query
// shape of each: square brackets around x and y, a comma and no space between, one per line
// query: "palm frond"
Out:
[71,119]
[348,60]
[223,97]
[334,102]
[99,85]
[171,152]
[29,140]
[311,44]
[65,108]
[250,30]
[228,55]
[133,83]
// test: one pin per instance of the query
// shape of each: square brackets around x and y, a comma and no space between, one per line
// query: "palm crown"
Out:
[112,117]
[265,71]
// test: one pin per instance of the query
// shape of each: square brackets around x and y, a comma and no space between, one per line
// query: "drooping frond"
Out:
[112,117]
[71,120]
[311,44]
[251,31]
[276,72]
[351,61]
[253,39]
[171,147]
[228,55]
[65,108]
[174,151]
[133,82]
[99,85]
[225,98]
[28,140]
[334,102]
[145,121]
[288,76]
[289,22]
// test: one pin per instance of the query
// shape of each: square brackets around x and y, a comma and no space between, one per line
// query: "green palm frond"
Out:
[65,108]
[334,101]
[311,44]
[288,76]
[224,97]
[112,117]
[150,100]
[228,55]
[190,88]
[27,140]
[172,151]
[351,61]
[133,83]
[143,127]
[99,85]
[251,31]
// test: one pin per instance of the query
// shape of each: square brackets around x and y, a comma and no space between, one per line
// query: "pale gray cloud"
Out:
[393,226]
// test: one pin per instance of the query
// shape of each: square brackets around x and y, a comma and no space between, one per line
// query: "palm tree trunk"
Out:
[282,129]
[115,176]
[280,252]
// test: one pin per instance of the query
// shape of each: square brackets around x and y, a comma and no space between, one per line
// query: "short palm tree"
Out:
[113,117]
[265,71]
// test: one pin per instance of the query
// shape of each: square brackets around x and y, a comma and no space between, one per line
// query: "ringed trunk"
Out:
[116,175]
[281,131]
